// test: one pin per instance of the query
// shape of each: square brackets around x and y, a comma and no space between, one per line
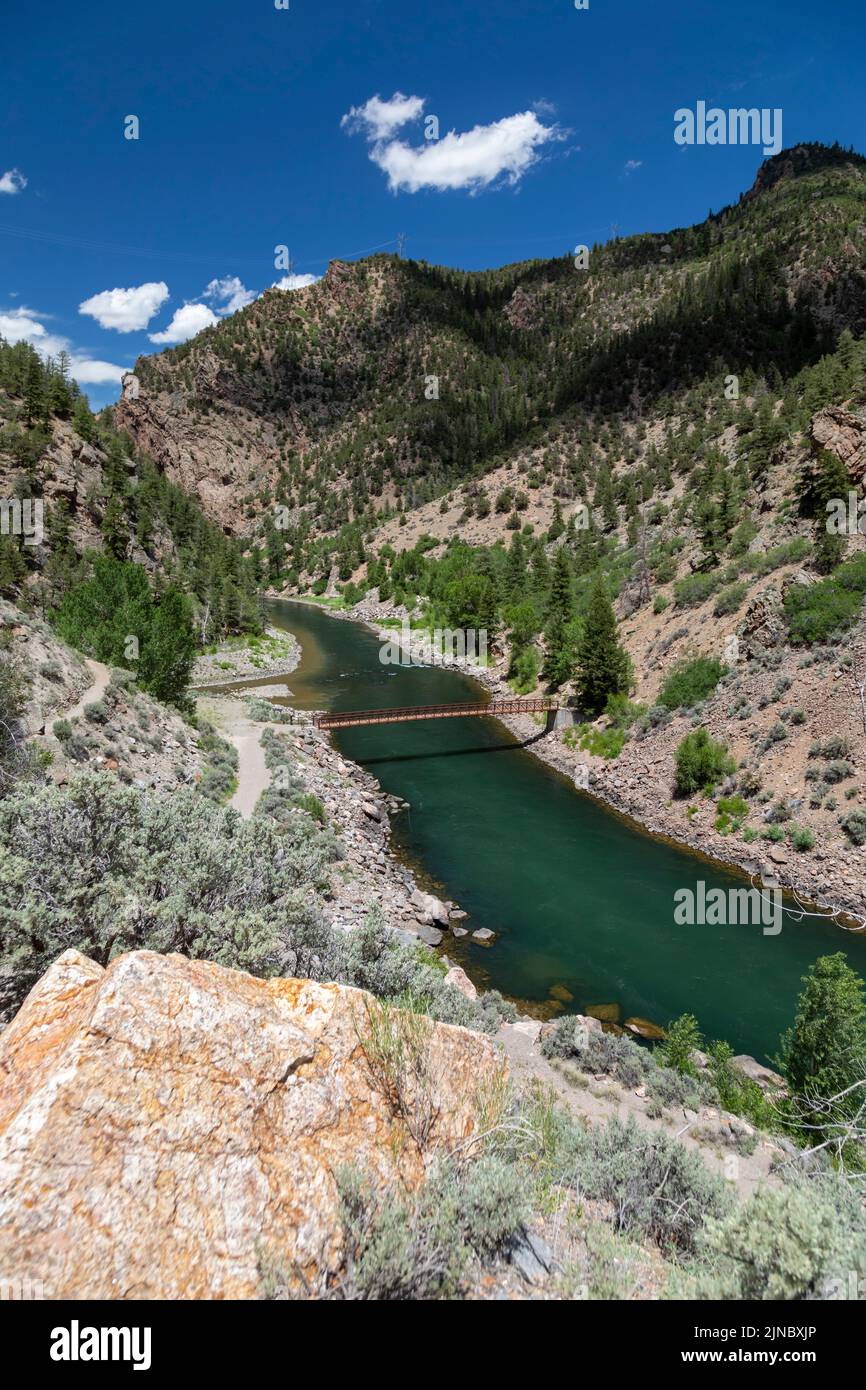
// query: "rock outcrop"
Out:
[166,1124]
[844,434]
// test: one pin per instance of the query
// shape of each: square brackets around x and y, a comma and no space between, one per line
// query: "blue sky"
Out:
[555,128]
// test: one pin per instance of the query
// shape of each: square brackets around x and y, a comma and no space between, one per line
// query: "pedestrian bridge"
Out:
[404,714]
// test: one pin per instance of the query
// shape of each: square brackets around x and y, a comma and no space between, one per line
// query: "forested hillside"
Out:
[95,492]
[390,381]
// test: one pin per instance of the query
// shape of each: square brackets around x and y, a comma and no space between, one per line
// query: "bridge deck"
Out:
[341,719]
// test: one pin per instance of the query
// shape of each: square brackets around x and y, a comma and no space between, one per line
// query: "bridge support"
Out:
[559,719]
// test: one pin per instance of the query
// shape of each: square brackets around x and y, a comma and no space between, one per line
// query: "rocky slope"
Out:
[78,715]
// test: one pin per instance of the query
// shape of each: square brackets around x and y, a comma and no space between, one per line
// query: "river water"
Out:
[582,902]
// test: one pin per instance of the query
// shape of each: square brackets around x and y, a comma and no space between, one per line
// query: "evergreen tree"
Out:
[825,1051]
[831,486]
[559,627]
[603,666]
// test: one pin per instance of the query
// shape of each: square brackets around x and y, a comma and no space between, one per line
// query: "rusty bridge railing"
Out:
[341,719]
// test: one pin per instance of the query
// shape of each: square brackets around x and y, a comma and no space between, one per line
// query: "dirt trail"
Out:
[101,681]
[253,775]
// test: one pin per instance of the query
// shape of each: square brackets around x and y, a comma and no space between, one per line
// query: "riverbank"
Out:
[637,786]
[273,653]
[370,876]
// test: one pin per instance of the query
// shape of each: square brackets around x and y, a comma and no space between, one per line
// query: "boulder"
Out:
[460,980]
[484,936]
[432,907]
[167,1124]
[431,936]
[767,1079]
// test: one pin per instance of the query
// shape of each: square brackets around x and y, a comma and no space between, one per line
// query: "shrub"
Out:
[180,874]
[701,763]
[776,734]
[595,1051]
[795,715]
[657,1188]
[732,811]
[837,771]
[14,684]
[310,803]
[802,838]
[671,1089]
[413,1246]
[601,743]
[695,589]
[682,1039]
[793,1242]
[263,712]
[690,682]
[816,612]
[854,825]
[736,1091]
[833,747]
[97,712]
[775,833]
[730,599]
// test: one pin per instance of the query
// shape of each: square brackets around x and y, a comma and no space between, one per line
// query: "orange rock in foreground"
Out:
[165,1120]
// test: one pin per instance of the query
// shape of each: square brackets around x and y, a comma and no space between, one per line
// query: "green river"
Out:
[580,899]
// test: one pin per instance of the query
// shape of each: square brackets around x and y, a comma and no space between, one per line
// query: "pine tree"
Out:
[825,1051]
[558,629]
[34,392]
[831,485]
[603,667]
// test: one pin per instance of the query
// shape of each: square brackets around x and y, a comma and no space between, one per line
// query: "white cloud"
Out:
[188,321]
[13,181]
[126,310]
[378,119]
[89,371]
[632,164]
[228,295]
[22,325]
[295,282]
[472,160]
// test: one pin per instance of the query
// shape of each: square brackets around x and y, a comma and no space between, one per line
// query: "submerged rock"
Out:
[643,1028]
[484,935]
[608,1013]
